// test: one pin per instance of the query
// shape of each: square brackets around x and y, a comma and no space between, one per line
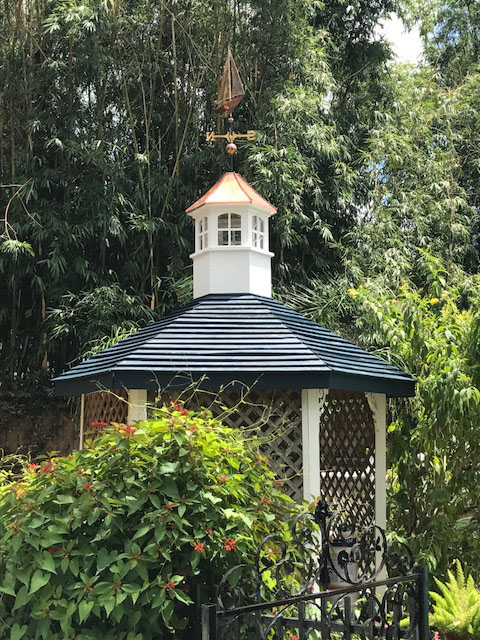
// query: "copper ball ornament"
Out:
[231,148]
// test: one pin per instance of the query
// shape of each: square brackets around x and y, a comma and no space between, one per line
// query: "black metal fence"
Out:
[330,581]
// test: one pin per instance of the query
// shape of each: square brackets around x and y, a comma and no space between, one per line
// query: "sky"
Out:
[407,45]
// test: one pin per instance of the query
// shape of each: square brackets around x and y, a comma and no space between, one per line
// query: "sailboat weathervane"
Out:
[230,94]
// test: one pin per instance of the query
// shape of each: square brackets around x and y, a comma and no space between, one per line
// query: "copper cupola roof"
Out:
[232,189]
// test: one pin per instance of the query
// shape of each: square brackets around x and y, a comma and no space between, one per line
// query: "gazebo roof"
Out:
[223,338]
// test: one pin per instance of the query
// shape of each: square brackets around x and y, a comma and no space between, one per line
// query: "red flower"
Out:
[87,486]
[52,550]
[223,478]
[47,467]
[294,637]
[80,472]
[209,531]
[230,544]
[170,585]
[265,501]
[169,505]
[178,407]
[128,429]
[199,547]
[33,467]
[98,425]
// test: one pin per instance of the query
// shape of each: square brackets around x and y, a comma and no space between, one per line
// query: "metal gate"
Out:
[353,584]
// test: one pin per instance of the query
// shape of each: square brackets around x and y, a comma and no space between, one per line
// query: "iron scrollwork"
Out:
[331,576]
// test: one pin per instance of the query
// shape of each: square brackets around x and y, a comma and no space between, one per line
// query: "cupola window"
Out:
[203,234]
[229,229]
[258,232]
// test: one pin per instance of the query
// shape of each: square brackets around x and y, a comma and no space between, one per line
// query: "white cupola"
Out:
[231,239]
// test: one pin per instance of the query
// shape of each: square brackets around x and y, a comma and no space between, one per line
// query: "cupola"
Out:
[231,239]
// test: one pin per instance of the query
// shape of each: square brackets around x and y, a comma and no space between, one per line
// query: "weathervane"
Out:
[230,94]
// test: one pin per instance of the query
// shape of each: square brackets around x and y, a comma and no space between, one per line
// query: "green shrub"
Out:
[457,607]
[118,540]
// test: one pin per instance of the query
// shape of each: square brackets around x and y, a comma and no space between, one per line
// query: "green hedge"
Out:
[118,540]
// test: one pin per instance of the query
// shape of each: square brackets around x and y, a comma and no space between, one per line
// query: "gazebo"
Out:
[319,400]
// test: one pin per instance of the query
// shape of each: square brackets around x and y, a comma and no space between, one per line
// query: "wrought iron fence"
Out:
[331,580]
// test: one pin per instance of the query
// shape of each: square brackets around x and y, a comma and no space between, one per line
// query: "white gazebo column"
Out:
[82,421]
[378,406]
[312,404]
[137,405]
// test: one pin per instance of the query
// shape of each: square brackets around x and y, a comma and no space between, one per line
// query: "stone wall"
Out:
[37,424]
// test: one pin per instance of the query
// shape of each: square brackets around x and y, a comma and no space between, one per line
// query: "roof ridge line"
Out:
[295,333]
[240,186]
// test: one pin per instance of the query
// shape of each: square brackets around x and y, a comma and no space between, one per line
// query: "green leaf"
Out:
[142,531]
[74,567]
[103,559]
[8,585]
[183,597]
[64,499]
[39,580]
[248,520]
[169,487]
[84,609]
[181,510]
[160,531]
[45,561]
[23,598]
[155,500]
[168,467]
[18,632]
[167,611]
[108,606]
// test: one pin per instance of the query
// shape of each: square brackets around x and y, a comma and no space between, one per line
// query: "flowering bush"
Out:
[118,540]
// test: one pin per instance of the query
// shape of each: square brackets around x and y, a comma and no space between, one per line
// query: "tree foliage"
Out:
[103,109]
[432,332]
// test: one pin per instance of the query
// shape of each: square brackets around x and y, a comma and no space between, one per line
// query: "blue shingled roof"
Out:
[222,338]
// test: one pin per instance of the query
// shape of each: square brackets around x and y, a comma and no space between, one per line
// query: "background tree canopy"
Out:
[374,166]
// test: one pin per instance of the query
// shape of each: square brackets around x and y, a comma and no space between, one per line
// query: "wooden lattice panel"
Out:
[347,454]
[105,406]
[276,415]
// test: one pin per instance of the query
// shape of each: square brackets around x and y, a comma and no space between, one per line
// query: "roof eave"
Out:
[154,380]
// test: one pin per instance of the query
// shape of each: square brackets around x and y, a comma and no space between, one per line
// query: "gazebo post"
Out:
[312,403]
[82,422]
[378,406]
[137,405]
